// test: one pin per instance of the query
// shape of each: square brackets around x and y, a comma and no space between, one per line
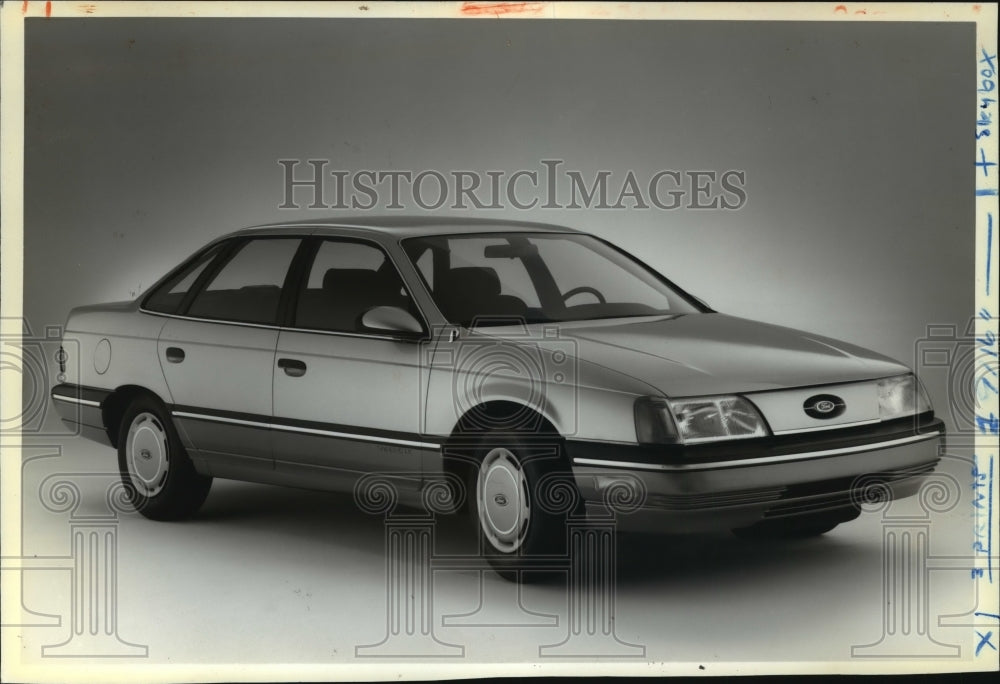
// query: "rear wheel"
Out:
[154,466]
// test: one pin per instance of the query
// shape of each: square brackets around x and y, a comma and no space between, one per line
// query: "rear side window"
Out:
[247,289]
[346,280]
[167,297]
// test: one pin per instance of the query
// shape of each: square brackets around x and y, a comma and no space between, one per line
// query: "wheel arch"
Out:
[114,406]
[476,422]
[505,415]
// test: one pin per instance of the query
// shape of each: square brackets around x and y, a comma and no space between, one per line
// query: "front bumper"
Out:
[726,486]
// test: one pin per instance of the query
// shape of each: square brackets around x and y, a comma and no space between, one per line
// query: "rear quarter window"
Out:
[168,296]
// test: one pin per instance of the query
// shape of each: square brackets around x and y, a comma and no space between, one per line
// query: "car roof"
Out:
[401,226]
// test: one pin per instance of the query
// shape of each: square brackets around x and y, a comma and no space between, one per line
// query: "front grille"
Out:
[686,502]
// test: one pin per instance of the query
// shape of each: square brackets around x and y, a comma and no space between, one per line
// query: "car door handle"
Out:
[292,367]
[175,354]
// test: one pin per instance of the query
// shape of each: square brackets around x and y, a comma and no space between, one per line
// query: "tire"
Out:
[793,528]
[521,495]
[155,469]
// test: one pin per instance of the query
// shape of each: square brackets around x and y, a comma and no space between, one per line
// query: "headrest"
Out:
[350,279]
[481,280]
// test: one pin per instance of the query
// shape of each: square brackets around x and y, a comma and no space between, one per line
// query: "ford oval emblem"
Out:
[500,500]
[824,406]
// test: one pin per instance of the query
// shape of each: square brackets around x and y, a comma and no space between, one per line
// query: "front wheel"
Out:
[155,469]
[523,495]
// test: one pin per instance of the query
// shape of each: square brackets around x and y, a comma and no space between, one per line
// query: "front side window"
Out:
[512,274]
[539,278]
[347,279]
[247,289]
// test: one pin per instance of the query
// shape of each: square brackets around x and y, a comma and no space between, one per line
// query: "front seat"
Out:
[472,292]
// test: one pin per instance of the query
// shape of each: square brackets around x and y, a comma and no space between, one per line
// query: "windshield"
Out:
[498,279]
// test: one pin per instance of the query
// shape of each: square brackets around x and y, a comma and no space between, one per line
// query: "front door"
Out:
[348,400]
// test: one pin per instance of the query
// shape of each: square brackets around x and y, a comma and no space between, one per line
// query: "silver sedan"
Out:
[541,373]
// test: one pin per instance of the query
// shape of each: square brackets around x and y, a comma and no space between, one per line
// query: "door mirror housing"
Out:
[391,319]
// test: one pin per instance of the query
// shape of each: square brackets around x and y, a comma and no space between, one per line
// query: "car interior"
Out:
[346,294]
[252,304]
[470,292]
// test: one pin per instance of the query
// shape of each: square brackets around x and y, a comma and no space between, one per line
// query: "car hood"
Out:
[700,354]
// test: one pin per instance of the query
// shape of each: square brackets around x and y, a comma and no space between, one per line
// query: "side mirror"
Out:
[391,319]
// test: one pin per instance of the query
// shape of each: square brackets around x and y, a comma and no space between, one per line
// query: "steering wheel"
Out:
[585,289]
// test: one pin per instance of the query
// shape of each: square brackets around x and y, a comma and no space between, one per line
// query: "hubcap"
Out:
[502,500]
[146,454]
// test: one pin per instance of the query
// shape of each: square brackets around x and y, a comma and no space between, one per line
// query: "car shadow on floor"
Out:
[334,519]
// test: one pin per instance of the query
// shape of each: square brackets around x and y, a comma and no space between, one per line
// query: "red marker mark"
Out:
[24,6]
[48,8]
[861,11]
[498,8]
[840,8]
[89,9]
[975,8]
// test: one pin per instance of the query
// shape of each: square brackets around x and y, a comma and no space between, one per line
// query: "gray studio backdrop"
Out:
[146,138]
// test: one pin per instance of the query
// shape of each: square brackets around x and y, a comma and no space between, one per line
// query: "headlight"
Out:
[704,419]
[902,395]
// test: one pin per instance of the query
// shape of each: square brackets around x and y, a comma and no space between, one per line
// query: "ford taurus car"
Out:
[542,372]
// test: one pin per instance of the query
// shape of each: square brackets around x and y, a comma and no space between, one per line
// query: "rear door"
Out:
[217,355]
